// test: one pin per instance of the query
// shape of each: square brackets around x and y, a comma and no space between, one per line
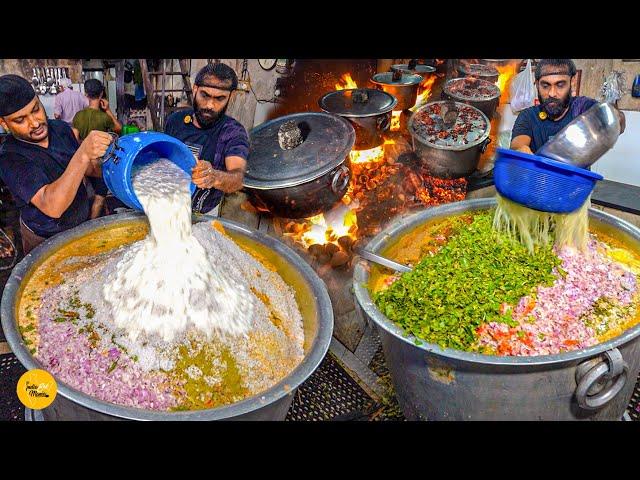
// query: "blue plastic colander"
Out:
[541,183]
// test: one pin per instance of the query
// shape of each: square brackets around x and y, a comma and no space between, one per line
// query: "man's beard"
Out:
[554,106]
[207,117]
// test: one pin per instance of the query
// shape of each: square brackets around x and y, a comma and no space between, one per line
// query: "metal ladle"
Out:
[385,262]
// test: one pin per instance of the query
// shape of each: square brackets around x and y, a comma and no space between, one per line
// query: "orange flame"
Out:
[425,92]
[395,120]
[374,154]
[347,82]
[338,222]
[504,80]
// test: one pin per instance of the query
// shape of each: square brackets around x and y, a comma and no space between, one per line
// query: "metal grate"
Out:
[330,394]
[10,372]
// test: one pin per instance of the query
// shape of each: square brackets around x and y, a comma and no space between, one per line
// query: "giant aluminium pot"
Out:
[307,179]
[404,88]
[367,109]
[476,92]
[434,383]
[457,155]
[271,404]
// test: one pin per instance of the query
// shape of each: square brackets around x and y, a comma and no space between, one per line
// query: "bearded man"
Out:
[555,80]
[220,143]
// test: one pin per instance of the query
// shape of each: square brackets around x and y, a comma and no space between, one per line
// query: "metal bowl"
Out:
[586,138]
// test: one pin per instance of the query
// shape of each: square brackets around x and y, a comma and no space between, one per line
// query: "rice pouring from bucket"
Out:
[166,283]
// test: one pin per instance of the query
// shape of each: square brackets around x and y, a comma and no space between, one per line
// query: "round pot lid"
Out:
[419,68]
[406,79]
[471,88]
[327,140]
[479,69]
[471,128]
[358,102]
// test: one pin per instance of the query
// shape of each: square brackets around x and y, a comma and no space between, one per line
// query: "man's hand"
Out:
[524,149]
[204,175]
[95,145]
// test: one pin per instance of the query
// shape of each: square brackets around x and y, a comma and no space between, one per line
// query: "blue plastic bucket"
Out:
[541,183]
[132,151]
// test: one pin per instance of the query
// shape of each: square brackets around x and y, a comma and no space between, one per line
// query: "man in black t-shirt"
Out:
[220,142]
[536,125]
[43,165]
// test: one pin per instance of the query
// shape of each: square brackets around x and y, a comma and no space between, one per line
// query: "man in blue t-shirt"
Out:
[43,165]
[220,142]
[536,125]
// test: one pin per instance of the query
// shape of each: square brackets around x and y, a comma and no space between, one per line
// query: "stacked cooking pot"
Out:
[473,91]
[403,86]
[367,109]
[452,152]
[479,70]
[298,165]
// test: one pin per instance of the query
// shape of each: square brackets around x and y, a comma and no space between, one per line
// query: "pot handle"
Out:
[384,122]
[589,373]
[111,150]
[340,179]
[485,144]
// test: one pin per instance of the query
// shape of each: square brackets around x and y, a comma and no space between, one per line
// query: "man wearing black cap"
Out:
[43,165]
[220,142]
[536,125]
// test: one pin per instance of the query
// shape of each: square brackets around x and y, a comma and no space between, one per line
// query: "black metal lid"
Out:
[420,68]
[386,78]
[328,139]
[341,102]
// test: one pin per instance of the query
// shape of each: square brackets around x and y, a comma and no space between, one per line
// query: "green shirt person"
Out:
[98,115]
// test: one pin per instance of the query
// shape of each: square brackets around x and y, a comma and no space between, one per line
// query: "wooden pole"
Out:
[149,91]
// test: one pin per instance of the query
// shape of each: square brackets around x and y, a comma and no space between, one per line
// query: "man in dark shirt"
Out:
[43,165]
[220,143]
[536,125]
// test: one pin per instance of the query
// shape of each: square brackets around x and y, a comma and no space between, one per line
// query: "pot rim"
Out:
[454,148]
[386,110]
[413,80]
[286,386]
[465,99]
[361,276]
[261,185]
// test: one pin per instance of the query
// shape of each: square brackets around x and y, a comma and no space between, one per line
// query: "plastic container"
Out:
[135,150]
[540,183]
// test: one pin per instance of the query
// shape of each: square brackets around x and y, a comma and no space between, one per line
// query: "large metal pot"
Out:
[367,109]
[405,89]
[449,161]
[479,70]
[454,89]
[305,180]
[272,404]
[434,383]
[418,69]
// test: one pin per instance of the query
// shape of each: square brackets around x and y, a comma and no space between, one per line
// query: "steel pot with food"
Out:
[403,86]
[418,69]
[476,92]
[298,165]
[449,151]
[479,70]
[481,329]
[367,109]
